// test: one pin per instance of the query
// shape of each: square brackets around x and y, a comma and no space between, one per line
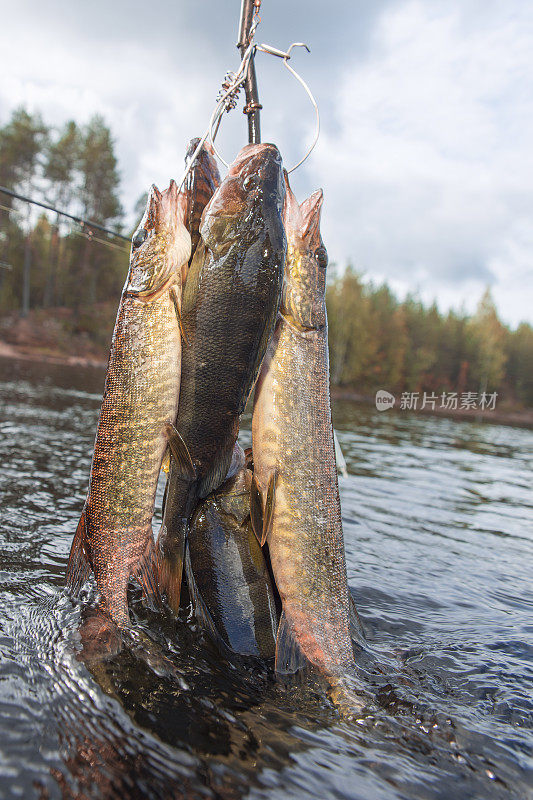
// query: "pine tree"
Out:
[100,198]
[21,143]
[486,342]
[60,168]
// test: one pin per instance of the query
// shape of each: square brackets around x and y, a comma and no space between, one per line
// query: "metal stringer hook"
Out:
[265,48]
[234,85]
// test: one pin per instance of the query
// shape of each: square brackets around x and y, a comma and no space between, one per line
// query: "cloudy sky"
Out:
[425,156]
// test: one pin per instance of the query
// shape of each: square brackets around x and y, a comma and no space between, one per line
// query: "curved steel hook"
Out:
[273,51]
[312,99]
[238,80]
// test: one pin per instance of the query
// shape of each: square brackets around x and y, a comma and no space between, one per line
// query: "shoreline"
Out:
[22,353]
[522,418]
[516,417]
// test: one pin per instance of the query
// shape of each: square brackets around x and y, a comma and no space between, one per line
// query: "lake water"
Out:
[438,523]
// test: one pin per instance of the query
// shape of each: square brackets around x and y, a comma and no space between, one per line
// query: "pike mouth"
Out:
[299,327]
[149,295]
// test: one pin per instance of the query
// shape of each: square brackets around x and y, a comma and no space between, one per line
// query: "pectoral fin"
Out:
[357,631]
[147,573]
[179,451]
[78,567]
[171,554]
[248,458]
[256,509]
[177,308]
[269,507]
[289,655]
[262,517]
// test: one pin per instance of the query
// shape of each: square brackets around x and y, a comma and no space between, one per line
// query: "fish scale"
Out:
[140,401]
[139,398]
[230,304]
[292,438]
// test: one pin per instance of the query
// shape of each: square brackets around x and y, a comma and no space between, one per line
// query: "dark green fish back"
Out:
[230,304]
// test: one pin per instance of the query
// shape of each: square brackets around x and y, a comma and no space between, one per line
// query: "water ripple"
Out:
[438,525]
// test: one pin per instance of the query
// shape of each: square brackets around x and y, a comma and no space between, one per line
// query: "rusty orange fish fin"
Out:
[357,631]
[256,509]
[147,573]
[348,697]
[289,656]
[201,611]
[268,515]
[180,453]
[78,567]
[171,556]
[248,458]
[165,464]
[177,308]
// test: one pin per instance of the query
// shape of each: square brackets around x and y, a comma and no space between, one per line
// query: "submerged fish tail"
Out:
[78,567]
[171,554]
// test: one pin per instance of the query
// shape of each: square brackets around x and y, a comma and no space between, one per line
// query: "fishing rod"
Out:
[83,222]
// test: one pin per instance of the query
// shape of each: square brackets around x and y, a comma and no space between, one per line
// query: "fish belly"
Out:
[140,396]
[292,434]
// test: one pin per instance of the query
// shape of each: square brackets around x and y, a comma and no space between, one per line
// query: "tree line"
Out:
[379,342]
[376,340]
[45,260]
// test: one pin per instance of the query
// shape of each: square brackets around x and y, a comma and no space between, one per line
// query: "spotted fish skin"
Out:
[230,304]
[114,536]
[293,438]
[202,182]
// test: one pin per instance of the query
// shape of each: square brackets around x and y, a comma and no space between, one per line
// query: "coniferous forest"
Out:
[60,283]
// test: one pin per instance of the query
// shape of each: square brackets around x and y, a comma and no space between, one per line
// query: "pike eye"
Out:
[321,255]
[249,182]
[139,237]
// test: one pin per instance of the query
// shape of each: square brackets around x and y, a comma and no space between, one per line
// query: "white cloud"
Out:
[429,172]
[427,111]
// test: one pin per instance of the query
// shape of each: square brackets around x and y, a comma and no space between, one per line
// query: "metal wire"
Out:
[317,113]
[82,221]
[237,81]
[231,85]
[274,51]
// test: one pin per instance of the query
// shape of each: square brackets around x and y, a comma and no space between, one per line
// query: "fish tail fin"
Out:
[147,573]
[348,700]
[78,567]
[100,637]
[170,558]
[290,658]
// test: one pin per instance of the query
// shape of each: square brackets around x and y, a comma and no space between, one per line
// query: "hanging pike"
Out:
[114,536]
[295,498]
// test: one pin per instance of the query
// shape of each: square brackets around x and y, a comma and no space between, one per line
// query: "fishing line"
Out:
[80,220]
[87,233]
[93,238]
